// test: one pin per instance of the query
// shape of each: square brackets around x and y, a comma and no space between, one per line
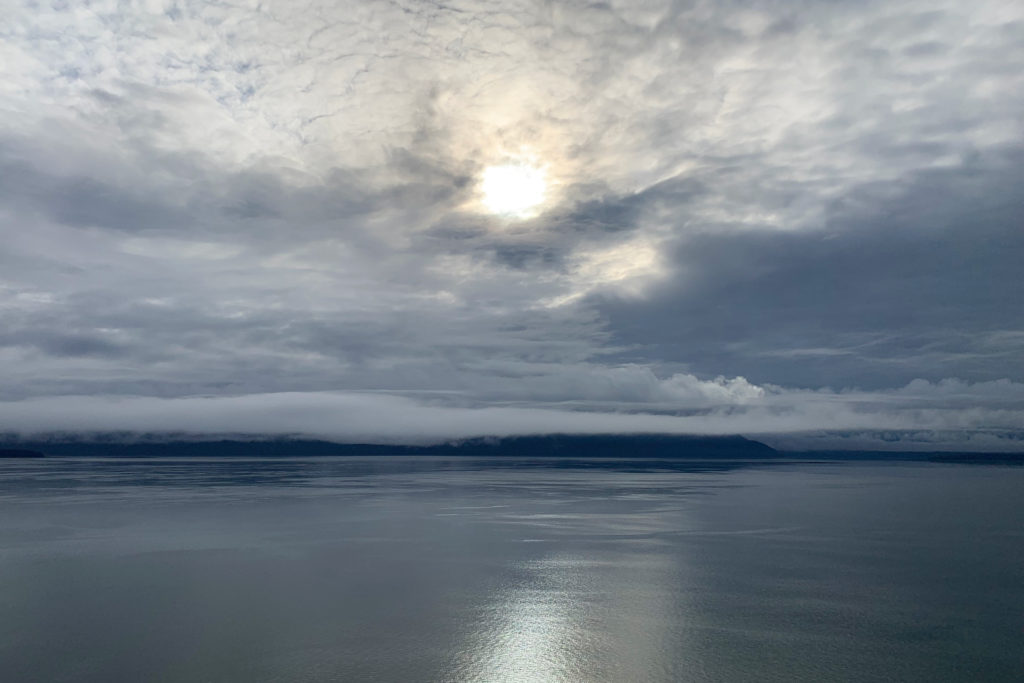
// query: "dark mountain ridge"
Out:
[19,453]
[547,446]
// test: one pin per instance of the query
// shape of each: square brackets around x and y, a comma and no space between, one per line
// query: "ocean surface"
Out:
[458,569]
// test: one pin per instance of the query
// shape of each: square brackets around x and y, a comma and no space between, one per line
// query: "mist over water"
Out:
[433,569]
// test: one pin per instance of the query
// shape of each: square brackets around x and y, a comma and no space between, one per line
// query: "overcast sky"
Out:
[798,220]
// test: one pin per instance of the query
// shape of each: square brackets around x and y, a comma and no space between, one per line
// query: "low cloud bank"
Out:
[947,415]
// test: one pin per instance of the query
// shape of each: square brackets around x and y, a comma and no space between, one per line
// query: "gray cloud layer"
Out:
[818,203]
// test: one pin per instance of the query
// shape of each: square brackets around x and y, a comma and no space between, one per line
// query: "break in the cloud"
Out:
[207,209]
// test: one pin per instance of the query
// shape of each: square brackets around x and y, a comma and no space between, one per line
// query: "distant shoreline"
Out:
[20,453]
[655,447]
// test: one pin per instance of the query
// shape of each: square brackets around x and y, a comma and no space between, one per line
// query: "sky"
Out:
[413,221]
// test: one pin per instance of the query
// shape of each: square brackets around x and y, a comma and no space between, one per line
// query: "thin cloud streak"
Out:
[945,416]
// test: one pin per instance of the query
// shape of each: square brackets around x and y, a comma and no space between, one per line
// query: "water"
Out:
[432,569]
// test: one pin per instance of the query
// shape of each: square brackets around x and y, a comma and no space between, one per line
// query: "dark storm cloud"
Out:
[248,206]
[918,280]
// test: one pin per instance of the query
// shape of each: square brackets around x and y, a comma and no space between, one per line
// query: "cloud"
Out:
[912,417]
[223,201]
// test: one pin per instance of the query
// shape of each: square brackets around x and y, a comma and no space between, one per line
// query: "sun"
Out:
[514,190]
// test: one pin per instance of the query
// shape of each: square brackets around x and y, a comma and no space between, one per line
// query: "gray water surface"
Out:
[433,569]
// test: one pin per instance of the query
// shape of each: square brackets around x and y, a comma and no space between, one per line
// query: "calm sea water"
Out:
[429,569]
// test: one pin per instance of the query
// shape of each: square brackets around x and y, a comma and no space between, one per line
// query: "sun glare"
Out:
[513,189]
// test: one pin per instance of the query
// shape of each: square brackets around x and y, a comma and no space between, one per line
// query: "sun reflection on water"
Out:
[536,632]
[566,623]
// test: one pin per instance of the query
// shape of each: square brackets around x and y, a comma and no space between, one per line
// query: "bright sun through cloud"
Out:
[513,189]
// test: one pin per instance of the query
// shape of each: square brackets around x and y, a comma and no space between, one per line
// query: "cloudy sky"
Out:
[408,220]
